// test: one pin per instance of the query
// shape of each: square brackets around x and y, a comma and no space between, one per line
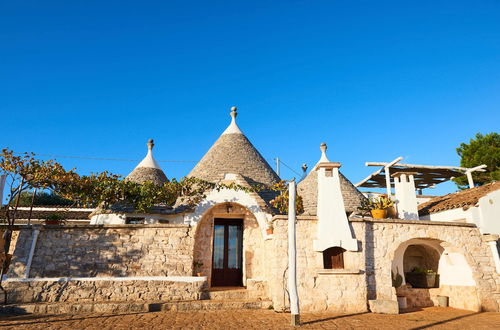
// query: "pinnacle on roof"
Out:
[148,169]
[308,189]
[234,153]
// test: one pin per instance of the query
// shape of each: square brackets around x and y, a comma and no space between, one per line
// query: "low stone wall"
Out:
[102,290]
[105,250]
[367,273]
[319,290]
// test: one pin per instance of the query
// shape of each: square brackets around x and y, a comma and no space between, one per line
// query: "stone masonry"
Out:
[109,250]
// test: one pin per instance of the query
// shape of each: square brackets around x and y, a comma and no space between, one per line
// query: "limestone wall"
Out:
[367,274]
[341,291]
[92,290]
[384,238]
[109,250]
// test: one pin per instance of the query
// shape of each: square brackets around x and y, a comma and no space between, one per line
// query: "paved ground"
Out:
[433,317]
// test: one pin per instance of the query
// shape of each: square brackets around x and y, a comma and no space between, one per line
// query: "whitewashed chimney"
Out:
[406,198]
[333,226]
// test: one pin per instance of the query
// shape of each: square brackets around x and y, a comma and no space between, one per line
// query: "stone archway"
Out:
[454,280]
[254,257]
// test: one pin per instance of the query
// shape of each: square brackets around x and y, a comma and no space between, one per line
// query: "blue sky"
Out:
[375,80]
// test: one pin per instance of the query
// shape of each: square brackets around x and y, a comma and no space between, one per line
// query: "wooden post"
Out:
[277,166]
[292,256]
[469,179]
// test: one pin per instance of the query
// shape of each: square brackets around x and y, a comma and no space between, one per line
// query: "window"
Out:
[134,221]
[333,258]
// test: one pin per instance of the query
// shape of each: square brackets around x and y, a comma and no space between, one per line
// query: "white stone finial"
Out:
[233,127]
[323,158]
[149,160]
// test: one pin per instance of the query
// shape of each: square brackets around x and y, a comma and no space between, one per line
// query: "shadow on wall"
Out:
[369,248]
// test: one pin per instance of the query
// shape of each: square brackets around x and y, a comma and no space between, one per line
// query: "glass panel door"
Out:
[227,252]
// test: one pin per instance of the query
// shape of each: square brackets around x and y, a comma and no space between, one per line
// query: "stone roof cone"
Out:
[308,189]
[148,169]
[234,153]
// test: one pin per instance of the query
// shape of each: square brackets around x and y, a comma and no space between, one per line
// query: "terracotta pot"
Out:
[269,231]
[379,214]
[199,274]
[391,212]
[53,222]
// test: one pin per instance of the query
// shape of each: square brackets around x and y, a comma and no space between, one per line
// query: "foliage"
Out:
[419,270]
[397,279]
[483,149]
[42,198]
[376,203]
[281,201]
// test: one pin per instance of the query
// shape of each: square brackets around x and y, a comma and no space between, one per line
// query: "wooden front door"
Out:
[227,252]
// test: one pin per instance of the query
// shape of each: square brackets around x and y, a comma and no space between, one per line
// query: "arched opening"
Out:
[229,244]
[333,258]
[431,268]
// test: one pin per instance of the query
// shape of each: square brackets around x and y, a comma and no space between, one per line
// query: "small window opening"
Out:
[329,172]
[333,258]
[134,221]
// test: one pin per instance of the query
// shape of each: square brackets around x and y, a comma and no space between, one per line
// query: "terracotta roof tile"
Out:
[461,199]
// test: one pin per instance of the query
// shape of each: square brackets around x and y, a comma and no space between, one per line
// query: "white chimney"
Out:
[406,199]
[333,226]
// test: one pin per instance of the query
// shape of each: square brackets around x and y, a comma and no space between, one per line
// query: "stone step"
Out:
[127,307]
[211,305]
[237,294]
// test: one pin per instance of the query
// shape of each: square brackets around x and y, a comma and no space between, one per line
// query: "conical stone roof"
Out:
[308,190]
[148,169]
[234,153]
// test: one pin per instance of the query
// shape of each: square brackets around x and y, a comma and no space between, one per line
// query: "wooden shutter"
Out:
[333,258]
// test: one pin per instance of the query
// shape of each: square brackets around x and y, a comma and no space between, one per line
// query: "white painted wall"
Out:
[229,195]
[454,270]
[333,226]
[486,215]
[489,213]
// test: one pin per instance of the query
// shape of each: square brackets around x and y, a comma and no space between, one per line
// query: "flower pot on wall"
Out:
[269,231]
[422,280]
[379,214]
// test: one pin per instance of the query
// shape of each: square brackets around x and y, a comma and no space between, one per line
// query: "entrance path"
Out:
[432,317]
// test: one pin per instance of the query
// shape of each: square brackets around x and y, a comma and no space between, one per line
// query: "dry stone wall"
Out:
[319,290]
[104,290]
[109,250]
[367,274]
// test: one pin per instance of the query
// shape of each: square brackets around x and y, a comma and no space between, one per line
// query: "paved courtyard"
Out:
[434,317]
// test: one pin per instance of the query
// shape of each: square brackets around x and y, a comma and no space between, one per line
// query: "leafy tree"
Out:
[42,198]
[483,149]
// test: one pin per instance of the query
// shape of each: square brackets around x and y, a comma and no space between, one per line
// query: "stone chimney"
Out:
[406,198]
[333,226]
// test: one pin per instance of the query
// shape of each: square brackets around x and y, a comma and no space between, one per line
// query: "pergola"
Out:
[425,176]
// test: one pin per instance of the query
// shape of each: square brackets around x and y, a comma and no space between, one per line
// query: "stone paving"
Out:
[433,317]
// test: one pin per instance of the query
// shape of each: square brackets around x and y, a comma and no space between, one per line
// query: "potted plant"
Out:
[270,228]
[54,219]
[377,206]
[422,278]
[397,280]
[197,267]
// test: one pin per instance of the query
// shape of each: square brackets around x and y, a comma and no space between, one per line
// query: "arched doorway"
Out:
[229,247]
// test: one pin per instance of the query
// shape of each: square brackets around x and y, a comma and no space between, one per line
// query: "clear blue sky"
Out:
[374,79]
